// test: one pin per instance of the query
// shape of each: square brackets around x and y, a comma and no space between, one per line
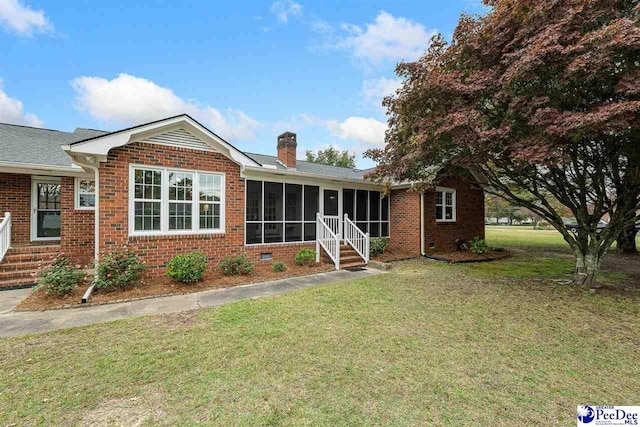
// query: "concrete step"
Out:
[352,265]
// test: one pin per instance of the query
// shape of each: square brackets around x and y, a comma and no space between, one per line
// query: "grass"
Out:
[427,344]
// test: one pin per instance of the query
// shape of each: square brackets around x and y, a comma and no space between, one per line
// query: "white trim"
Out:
[76,191]
[100,146]
[35,180]
[164,203]
[35,169]
[294,177]
[422,236]
[454,209]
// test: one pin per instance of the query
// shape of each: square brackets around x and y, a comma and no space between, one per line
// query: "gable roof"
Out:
[46,147]
[99,146]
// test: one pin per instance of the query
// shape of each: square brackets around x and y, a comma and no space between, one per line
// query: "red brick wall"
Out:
[281,252]
[469,216]
[15,197]
[156,251]
[404,214]
[77,233]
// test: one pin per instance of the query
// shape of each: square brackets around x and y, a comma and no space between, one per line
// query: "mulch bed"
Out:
[468,256]
[391,255]
[162,285]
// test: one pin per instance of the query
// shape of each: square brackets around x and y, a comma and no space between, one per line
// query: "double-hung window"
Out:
[85,194]
[169,201]
[445,204]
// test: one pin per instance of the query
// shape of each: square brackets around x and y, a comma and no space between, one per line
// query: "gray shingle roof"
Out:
[24,144]
[313,168]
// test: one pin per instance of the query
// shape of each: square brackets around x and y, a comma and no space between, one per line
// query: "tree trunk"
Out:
[587,268]
[627,240]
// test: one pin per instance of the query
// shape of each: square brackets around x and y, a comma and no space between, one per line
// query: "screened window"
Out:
[277,212]
[368,209]
[85,194]
[445,204]
[169,201]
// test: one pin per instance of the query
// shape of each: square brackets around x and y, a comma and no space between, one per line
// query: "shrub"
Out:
[60,278]
[187,268]
[305,256]
[279,266]
[120,269]
[235,266]
[478,246]
[378,245]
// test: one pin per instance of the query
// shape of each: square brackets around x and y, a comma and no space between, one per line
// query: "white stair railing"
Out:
[329,241]
[5,234]
[358,239]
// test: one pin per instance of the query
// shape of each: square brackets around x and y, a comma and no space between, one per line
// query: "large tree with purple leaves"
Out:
[542,98]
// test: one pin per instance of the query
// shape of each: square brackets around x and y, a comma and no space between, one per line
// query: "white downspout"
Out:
[422,245]
[96,214]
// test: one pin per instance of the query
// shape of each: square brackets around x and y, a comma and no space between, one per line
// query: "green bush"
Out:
[378,245]
[305,256]
[235,266]
[279,266]
[121,269]
[187,268]
[478,246]
[60,278]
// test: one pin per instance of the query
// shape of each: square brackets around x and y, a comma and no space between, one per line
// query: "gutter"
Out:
[96,218]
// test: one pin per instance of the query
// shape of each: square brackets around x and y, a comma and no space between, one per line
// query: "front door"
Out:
[45,209]
[331,209]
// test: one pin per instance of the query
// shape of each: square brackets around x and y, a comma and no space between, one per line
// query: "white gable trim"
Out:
[100,146]
[179,138]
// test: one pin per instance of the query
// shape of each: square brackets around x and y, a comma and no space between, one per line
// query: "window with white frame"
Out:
[85,194]
[445,204]
[166,201]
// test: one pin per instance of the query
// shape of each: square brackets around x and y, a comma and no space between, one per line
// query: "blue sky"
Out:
[247,70]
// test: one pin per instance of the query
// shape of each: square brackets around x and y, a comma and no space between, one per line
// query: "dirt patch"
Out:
[147,409]
[174,321]
[394,255]
[162,285]
[468,256]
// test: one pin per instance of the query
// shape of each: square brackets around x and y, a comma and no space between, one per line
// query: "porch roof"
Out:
[37,146]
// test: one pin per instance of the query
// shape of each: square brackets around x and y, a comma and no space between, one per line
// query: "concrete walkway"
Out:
[23,323]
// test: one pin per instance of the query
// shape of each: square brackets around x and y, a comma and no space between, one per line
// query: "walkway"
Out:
[23,323]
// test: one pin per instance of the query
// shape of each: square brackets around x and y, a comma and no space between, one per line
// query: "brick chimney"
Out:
[287,144]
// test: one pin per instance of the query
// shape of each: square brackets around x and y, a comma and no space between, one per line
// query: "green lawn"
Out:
[427,344]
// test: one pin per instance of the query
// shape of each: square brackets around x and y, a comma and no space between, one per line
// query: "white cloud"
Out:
[129,99]
[386,39]
[12,111]
[283,9]
[375,90]
[20,19]
[367,131]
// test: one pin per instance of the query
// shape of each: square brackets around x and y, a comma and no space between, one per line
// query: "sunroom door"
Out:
[45,209]
[331,209]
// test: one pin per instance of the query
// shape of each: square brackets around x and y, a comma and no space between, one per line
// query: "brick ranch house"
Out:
[173,186]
